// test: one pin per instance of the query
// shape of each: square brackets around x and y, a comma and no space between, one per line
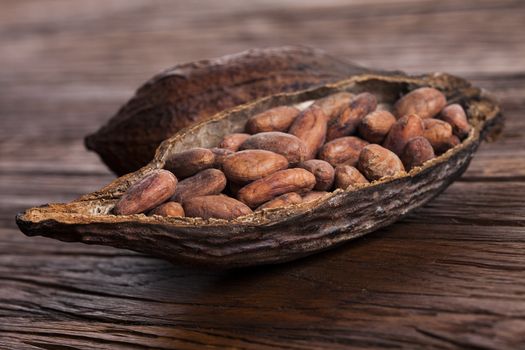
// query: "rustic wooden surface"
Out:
[451,275]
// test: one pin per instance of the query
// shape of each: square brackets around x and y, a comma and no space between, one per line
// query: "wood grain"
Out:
[451,275]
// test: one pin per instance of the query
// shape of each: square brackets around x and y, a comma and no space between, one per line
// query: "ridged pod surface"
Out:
[190,93]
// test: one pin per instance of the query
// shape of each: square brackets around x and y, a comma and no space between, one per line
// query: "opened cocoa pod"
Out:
[192,92]
[221,237]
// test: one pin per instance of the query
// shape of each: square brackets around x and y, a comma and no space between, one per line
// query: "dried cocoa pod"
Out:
[192,92]
[254,164]
[323,172]
[346,176]
[438,133]
[344,150]
[275,119]
[350,117]
[402,131]
[217,206]
[220,154]
[289,146]
[168,209]
[310,127]
[455,115]
[375,126]
[426,102]
[376,162]
[284,181]
[204,183]
[147,193]
[313,196]
[417,151]
[333,104]
[275,235]
[190,162]
[282,201]
[232,142]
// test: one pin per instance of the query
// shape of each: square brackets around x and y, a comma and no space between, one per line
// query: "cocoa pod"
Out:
[375,126]
[350,117]
[254,164]
[282,201]
[275,119]
[276,235]
[313,196]
[289,146]
[284,181]
[344,150]
[204,183]
[217,206]
[220,154]
[439,134]
[190,162]
[346,176]
[168,209]
[426,102]
[376,162]
[232,142]
[455,115]
[402,131]
[147,193]
[333,104]
[192,92]
[417,151]
[323,172]
[310,127]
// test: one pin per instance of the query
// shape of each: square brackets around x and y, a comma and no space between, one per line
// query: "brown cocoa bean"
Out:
[216,206]
[233,141]
[254,164]
[289,146]
[323,172]
[310,127]
[313,196]
[426,102]
[402,131]
[275,119]
[455,115]
[417,151]
[438,133]
[350,117]
[376,162]
[190,162]
[147,193]
[375,126]
[267,188]
[204,183]
[344,150]
[282,201]
[346,176]
[332,105]
[220,154]
[168,209]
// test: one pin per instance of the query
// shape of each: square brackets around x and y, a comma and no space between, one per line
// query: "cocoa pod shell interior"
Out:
[278,234]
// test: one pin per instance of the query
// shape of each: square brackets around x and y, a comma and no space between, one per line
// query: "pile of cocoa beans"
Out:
[289,156]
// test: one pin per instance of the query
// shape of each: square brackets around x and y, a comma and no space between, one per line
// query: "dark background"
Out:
[450,275]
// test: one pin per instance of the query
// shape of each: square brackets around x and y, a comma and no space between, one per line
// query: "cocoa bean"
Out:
[147,193]
[217,206]
[267,188]
[275,119]
[289,146]
[376,162]
[204,183]
[190,162]
[417,151]
[344,150]
[249,165]
[310,127]
[346,176]
[402,131]
[282,201]
[350,117]
[375,126]
[455,115]
[323,172]
[426,102]
[168,209]
[232,142]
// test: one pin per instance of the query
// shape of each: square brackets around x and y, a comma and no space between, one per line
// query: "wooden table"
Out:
[451,275]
